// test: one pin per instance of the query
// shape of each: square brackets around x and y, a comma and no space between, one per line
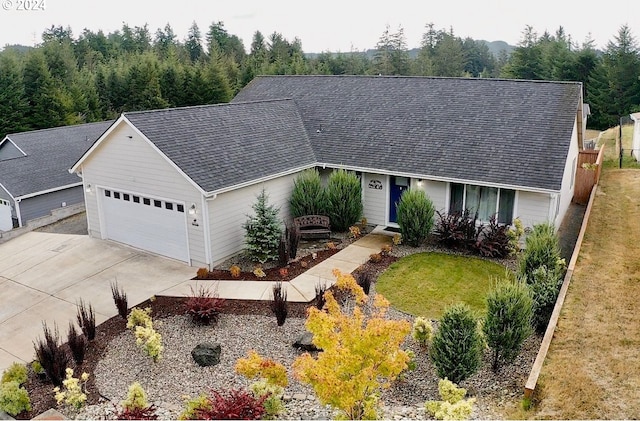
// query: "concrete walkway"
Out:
[43,276]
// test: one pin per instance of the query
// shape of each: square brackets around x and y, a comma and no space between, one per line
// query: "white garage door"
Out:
[6,223]
[158,226]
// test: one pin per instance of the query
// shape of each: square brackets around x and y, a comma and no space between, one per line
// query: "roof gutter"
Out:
[38,193]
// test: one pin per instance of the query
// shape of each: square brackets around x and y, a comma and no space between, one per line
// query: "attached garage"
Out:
[145,222]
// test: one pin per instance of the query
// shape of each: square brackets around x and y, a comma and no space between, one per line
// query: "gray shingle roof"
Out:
[50,154]
[510,132]
[223,145]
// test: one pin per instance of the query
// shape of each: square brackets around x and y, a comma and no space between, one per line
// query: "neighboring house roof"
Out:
[49,154]
[496,131]
[224,145]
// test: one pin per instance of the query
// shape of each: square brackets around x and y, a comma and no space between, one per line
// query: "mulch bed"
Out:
[293,269]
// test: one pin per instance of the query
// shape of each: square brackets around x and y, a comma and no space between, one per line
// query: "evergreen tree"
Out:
[13,103]
[143,85]
[47,104]
[526,60]
[448,57]
[193,44]
[263,230]
[217,87]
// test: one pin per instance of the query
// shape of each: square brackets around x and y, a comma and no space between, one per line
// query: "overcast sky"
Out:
[328,25]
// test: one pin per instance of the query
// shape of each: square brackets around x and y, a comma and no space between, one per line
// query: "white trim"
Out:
[387,199]
[516,205]
[13,143]
[207,233]
[54,189]
[434,178]
[17,202]
[8,192]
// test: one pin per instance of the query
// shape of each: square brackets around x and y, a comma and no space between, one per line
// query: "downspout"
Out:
[207,230]
[18,212]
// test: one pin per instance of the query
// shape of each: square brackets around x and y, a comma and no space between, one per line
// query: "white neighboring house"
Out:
[180,182]
[635,117]
[34,176]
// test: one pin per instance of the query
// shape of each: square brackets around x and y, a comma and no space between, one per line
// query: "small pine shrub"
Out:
[331,245]
[255,367]
[235,271]
[234,404]
[375,258]
[453,406]
[259,272]
[415,216]
[508,320]
[15,373]
[72,392]
[397,239]
[344,199]
[456,349]
[14,398]
[385,250]
[139,317]
[202,273]
[77,344]
[279,305]
[308,195]
[364,279]
[293,239]
[354,232]
[120,300]
[53,357]
[204,306]
[283,252]
[545,287]
[542,248]
[321,288]
[263,231]
[86,320]
[422,331]
[149,341]
[515,233]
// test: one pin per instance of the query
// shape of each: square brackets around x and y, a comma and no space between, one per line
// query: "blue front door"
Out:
[398,185]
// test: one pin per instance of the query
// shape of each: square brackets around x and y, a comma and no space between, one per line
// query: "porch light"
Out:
[88,188]
[192,209]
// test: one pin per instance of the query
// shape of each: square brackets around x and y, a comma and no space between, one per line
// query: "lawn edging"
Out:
[532,380]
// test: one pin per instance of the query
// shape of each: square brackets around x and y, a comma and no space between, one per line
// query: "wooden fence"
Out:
[530,386]
[587,173]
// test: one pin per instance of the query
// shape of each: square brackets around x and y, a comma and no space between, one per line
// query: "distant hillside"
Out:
[17,47]
[495,47]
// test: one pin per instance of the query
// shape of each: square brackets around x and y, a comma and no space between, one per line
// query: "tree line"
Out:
[95,76]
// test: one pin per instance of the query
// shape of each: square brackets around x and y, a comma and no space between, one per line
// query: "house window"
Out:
[146,201]
[157,203]
[107,193]
[116,195]
[168,206]
[136,199]
[126,197]
[180,208]
[483,201]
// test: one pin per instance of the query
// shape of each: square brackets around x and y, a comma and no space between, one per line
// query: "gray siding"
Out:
[4,195]
[532,208]
[375,192]
[228,212]
[41,205]
[126,161]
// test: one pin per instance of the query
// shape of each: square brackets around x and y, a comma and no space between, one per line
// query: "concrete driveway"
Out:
[43,276]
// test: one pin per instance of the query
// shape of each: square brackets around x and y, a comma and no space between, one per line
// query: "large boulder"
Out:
[206,354]
[305,343]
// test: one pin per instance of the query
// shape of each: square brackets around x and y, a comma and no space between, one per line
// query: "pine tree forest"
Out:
[72,79]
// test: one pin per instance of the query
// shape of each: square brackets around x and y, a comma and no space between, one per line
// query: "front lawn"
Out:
[423,284]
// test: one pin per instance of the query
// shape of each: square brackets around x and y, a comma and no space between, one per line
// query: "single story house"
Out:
[635,148]
[180,182]
[34,176]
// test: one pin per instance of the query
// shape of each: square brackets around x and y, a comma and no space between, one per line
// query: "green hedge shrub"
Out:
[15,373]
[415,216]
[456,349]
[13,398]
[308,196]
[545,286]
[344,199]
[541,249]
[508,320]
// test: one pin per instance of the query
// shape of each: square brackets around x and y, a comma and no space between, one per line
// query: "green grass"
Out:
[424,284]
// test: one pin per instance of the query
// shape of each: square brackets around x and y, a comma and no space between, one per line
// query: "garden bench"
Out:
[311,226]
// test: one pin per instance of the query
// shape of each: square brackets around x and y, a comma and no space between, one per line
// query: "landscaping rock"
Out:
[206,354]
[305,343]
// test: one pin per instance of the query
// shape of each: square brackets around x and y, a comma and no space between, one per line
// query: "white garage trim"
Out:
[144,221]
